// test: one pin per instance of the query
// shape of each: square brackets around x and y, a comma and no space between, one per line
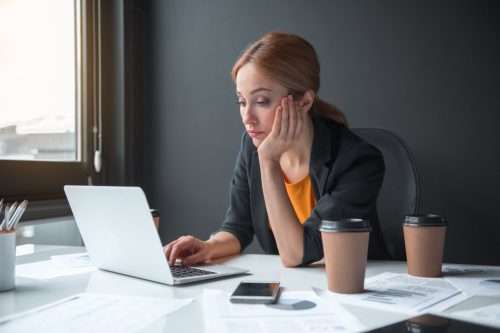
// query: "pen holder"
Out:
[7,260]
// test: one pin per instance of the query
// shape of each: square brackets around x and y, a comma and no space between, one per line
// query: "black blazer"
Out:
[346,175]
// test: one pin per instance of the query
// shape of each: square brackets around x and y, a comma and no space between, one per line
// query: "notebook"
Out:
[118,231]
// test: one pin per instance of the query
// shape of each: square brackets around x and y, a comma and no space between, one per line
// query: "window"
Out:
[39,82]
[46,48]
[71,70]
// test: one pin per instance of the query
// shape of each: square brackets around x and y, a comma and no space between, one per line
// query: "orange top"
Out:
[302,197]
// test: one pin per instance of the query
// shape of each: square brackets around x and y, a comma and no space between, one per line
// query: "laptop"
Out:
[118,230]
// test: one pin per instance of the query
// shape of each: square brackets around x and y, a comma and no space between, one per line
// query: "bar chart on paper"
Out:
[401,293]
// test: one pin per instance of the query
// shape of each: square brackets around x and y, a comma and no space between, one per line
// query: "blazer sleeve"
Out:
[238,219]
[351,191]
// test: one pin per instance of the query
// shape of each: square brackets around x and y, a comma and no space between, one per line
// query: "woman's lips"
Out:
[254,134]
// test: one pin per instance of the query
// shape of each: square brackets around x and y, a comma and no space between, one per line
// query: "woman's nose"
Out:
[247,115]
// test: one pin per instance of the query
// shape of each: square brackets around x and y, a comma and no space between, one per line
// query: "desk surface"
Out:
[31,293]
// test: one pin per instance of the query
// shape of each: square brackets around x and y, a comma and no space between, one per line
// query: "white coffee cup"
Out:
[7,260]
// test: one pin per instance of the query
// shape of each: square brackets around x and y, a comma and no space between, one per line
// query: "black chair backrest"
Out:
[399,194]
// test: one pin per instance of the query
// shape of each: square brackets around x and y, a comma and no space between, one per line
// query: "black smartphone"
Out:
[256,292]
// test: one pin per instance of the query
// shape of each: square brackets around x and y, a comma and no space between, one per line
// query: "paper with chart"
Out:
[93,313]
[400,293]
[474,280]
[296,311]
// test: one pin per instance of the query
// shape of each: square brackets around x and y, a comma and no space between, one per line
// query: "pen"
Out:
[19,213]
[12,217]
[1,206]
[12,210]
[15,216]
[6,217]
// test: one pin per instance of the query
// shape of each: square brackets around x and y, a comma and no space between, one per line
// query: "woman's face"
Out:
[258,97]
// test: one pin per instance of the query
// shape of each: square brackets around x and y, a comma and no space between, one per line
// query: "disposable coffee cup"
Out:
[155,213]
[7,260]
[345,245]
[424,243]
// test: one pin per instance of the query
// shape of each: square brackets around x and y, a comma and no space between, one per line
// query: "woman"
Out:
[298,163]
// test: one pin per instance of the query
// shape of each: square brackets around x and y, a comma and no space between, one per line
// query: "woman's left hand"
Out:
[287,127]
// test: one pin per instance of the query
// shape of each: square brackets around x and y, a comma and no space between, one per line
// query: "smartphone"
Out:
[256,292]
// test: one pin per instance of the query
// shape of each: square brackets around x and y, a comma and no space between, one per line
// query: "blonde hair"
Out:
[291,61]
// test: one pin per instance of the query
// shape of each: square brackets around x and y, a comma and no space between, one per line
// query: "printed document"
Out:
[474,280]
[400,293]
[295,311]
[92,313]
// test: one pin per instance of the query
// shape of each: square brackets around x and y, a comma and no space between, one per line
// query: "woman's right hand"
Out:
[190,250]
[287,127]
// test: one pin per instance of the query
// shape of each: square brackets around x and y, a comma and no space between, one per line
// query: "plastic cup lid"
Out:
[424,220]
[345,225]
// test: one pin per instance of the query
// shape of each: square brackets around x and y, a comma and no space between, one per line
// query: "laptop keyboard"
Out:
[186,271]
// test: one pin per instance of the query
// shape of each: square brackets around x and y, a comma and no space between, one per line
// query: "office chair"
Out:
[399,194]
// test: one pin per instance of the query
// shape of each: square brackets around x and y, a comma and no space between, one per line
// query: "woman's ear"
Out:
[307,100]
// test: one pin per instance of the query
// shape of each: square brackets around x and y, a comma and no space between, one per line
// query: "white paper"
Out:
[400,293]
[449,303]
[73,260]
[92,313]
[49,269]
[25,249]
[487,315]
[223,316]
[474,280]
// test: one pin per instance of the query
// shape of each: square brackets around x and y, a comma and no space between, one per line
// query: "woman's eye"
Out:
[241,103]
[262,103]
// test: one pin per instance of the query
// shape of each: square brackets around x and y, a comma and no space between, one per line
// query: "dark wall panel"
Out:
[427,70]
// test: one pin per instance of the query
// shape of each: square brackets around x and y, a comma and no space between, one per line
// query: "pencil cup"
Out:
[7,260]
[424,243]
[345,245]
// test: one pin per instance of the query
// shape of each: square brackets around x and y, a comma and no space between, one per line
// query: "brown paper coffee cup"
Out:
[345,245]
[156,217]
[424,242]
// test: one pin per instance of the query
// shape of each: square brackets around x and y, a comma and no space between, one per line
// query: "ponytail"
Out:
[328,111]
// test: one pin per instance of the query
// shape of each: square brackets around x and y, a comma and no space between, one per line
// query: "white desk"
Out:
[32,293]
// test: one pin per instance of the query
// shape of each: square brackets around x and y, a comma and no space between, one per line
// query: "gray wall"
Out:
[427,70]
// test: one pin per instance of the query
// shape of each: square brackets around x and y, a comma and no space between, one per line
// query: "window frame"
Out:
[42,182]
[118,79]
